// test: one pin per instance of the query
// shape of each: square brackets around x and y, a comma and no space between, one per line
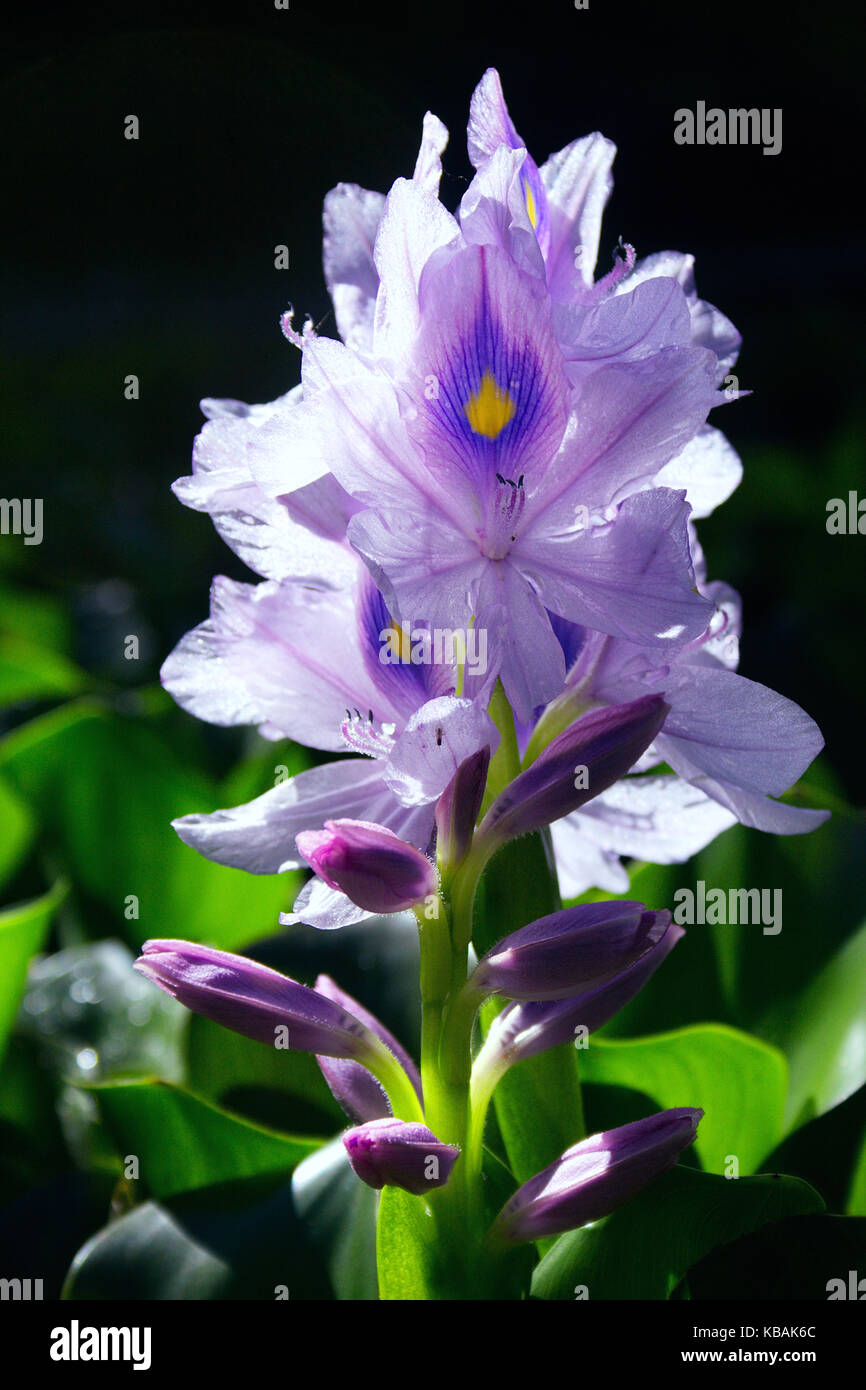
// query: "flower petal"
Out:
[660,819]
[259,836]
[434,743]
[351,220]
[414,225]
[578,182]
[283,656]
[708,468]
[631,579]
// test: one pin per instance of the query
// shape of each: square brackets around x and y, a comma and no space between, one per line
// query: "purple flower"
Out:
[583,761]
[272,1008]
[389,1152]
[525,1029]
[458,807]
[369,863]
[732,743]
[548,222]
[597,1175]
[576,951]
[304,661]
[254,1000]
[350,1083]
[523,509]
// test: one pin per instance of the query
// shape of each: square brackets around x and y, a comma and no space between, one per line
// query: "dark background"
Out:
[156,257]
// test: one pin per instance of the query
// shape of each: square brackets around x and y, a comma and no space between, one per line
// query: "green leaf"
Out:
[407,1251]
[23,929]
[338,1213]
[28,672]
[644,1249]
[282,1089]
[35,618]
[412,1256]
[737,1080]
[183,1142]
[823,1031]
[241,1240]
[106,789]
[857,1196]
[17,828]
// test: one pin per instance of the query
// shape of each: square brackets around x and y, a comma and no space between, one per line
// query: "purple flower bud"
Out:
[524,1030]
[352,1085]
[597,1175]
[583,761]
[400,1155]
[370,864]
[570,952]
[458,806]
[254,1000]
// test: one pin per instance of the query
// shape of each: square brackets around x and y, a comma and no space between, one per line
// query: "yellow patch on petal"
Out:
[530,206]
[490,409]
[400,641]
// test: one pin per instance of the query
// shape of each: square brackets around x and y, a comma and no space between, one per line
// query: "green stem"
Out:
[505,763]
[559,716]
[401,1093]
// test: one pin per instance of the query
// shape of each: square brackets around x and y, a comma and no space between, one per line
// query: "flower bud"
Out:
[525,1029]
[369,863]
[254,1000]
[583,761]
[596,1176]
[570,952]
[458,806]
[399,1155]
[350,1083]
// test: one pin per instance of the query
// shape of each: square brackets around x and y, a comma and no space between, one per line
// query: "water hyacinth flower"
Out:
[530,503]
[369,863]
[303,660]
[583,761]
[733,745]
[519,472]
[481,579]
[252,999]
[596,1176]
[271,1008]
[391,1152]
[350,1083]
[459,805]
[575,951]
[528,1028]
[548,220]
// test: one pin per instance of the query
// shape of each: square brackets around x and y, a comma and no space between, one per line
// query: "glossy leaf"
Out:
[823,1031]
[338,1213]
[106,789]
[738,1081]
[17,828]
[183,1142]
[242,1240]
[30,672]
[646,1247]
[23,930]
